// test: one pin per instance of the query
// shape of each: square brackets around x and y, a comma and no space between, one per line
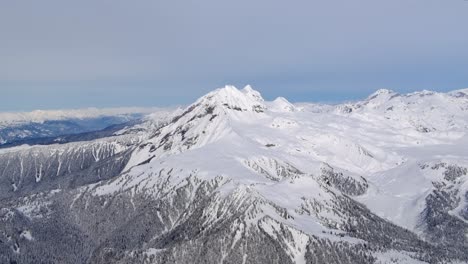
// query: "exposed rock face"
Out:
[440,220]
[348,185]
[67,166]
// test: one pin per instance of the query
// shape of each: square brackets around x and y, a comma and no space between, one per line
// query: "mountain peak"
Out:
[380,97]
[459,93]
[203,122]
[249,91]
[232,98]
[381,92]
[281,104]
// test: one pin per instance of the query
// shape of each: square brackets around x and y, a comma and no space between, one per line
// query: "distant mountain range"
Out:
[41,127]
[233,178]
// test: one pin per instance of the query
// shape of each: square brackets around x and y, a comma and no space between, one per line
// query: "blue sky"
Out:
[103,53]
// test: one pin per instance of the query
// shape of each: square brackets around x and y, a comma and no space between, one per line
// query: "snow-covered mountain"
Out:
[233,178]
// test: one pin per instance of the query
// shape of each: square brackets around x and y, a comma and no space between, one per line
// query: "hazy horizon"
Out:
[147,108]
